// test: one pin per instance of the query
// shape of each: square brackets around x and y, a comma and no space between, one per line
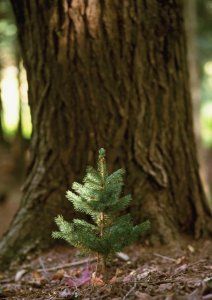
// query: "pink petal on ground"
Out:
[83,279]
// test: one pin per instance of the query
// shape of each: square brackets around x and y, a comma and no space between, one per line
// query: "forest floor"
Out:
[143,273]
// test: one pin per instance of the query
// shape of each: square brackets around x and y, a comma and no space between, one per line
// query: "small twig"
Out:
[147,282]
[130,291]
[197,262]
[73,264]
[42,265]
[165,257]
[43,268]
[207,297]
[5,281]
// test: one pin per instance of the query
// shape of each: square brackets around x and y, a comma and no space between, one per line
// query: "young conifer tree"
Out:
[100,197]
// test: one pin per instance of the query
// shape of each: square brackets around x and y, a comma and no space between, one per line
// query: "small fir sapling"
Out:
[100,197]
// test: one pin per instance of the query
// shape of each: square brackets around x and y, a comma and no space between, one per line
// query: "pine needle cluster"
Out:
[100,197]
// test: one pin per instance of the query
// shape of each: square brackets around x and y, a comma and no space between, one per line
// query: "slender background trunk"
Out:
[109,74]
[190,13]
[1,113]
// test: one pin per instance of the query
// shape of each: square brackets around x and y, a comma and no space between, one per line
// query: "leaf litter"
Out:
[184,273]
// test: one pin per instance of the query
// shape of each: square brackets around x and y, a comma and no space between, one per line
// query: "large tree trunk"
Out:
[109,74]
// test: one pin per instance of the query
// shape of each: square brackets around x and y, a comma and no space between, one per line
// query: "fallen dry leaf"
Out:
[58,275]
[165,286]
[36,275]
[181,260]
[142,296]
[129,277]
[20,274]
[119,272]
[83,279]
[97,281]
[170,297]
[38,283]
[66,293]
[182,268]
[122,256]
[114,279]
[38,279]
[191,249]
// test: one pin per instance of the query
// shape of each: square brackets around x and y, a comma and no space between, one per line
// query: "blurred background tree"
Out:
[196,62]
[15,121]
[204,62]
[15,115]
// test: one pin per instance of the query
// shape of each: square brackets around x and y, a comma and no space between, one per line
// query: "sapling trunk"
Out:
[101,267]
[103,257]
[104,267]
[102,219]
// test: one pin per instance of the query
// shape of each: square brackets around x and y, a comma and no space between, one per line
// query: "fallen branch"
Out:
[130,291]
[28,268]
[65,266]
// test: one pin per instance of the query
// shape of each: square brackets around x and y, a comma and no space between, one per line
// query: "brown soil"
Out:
[167,273]
[182,272]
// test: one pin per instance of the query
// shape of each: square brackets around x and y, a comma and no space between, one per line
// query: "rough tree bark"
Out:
[109,74]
